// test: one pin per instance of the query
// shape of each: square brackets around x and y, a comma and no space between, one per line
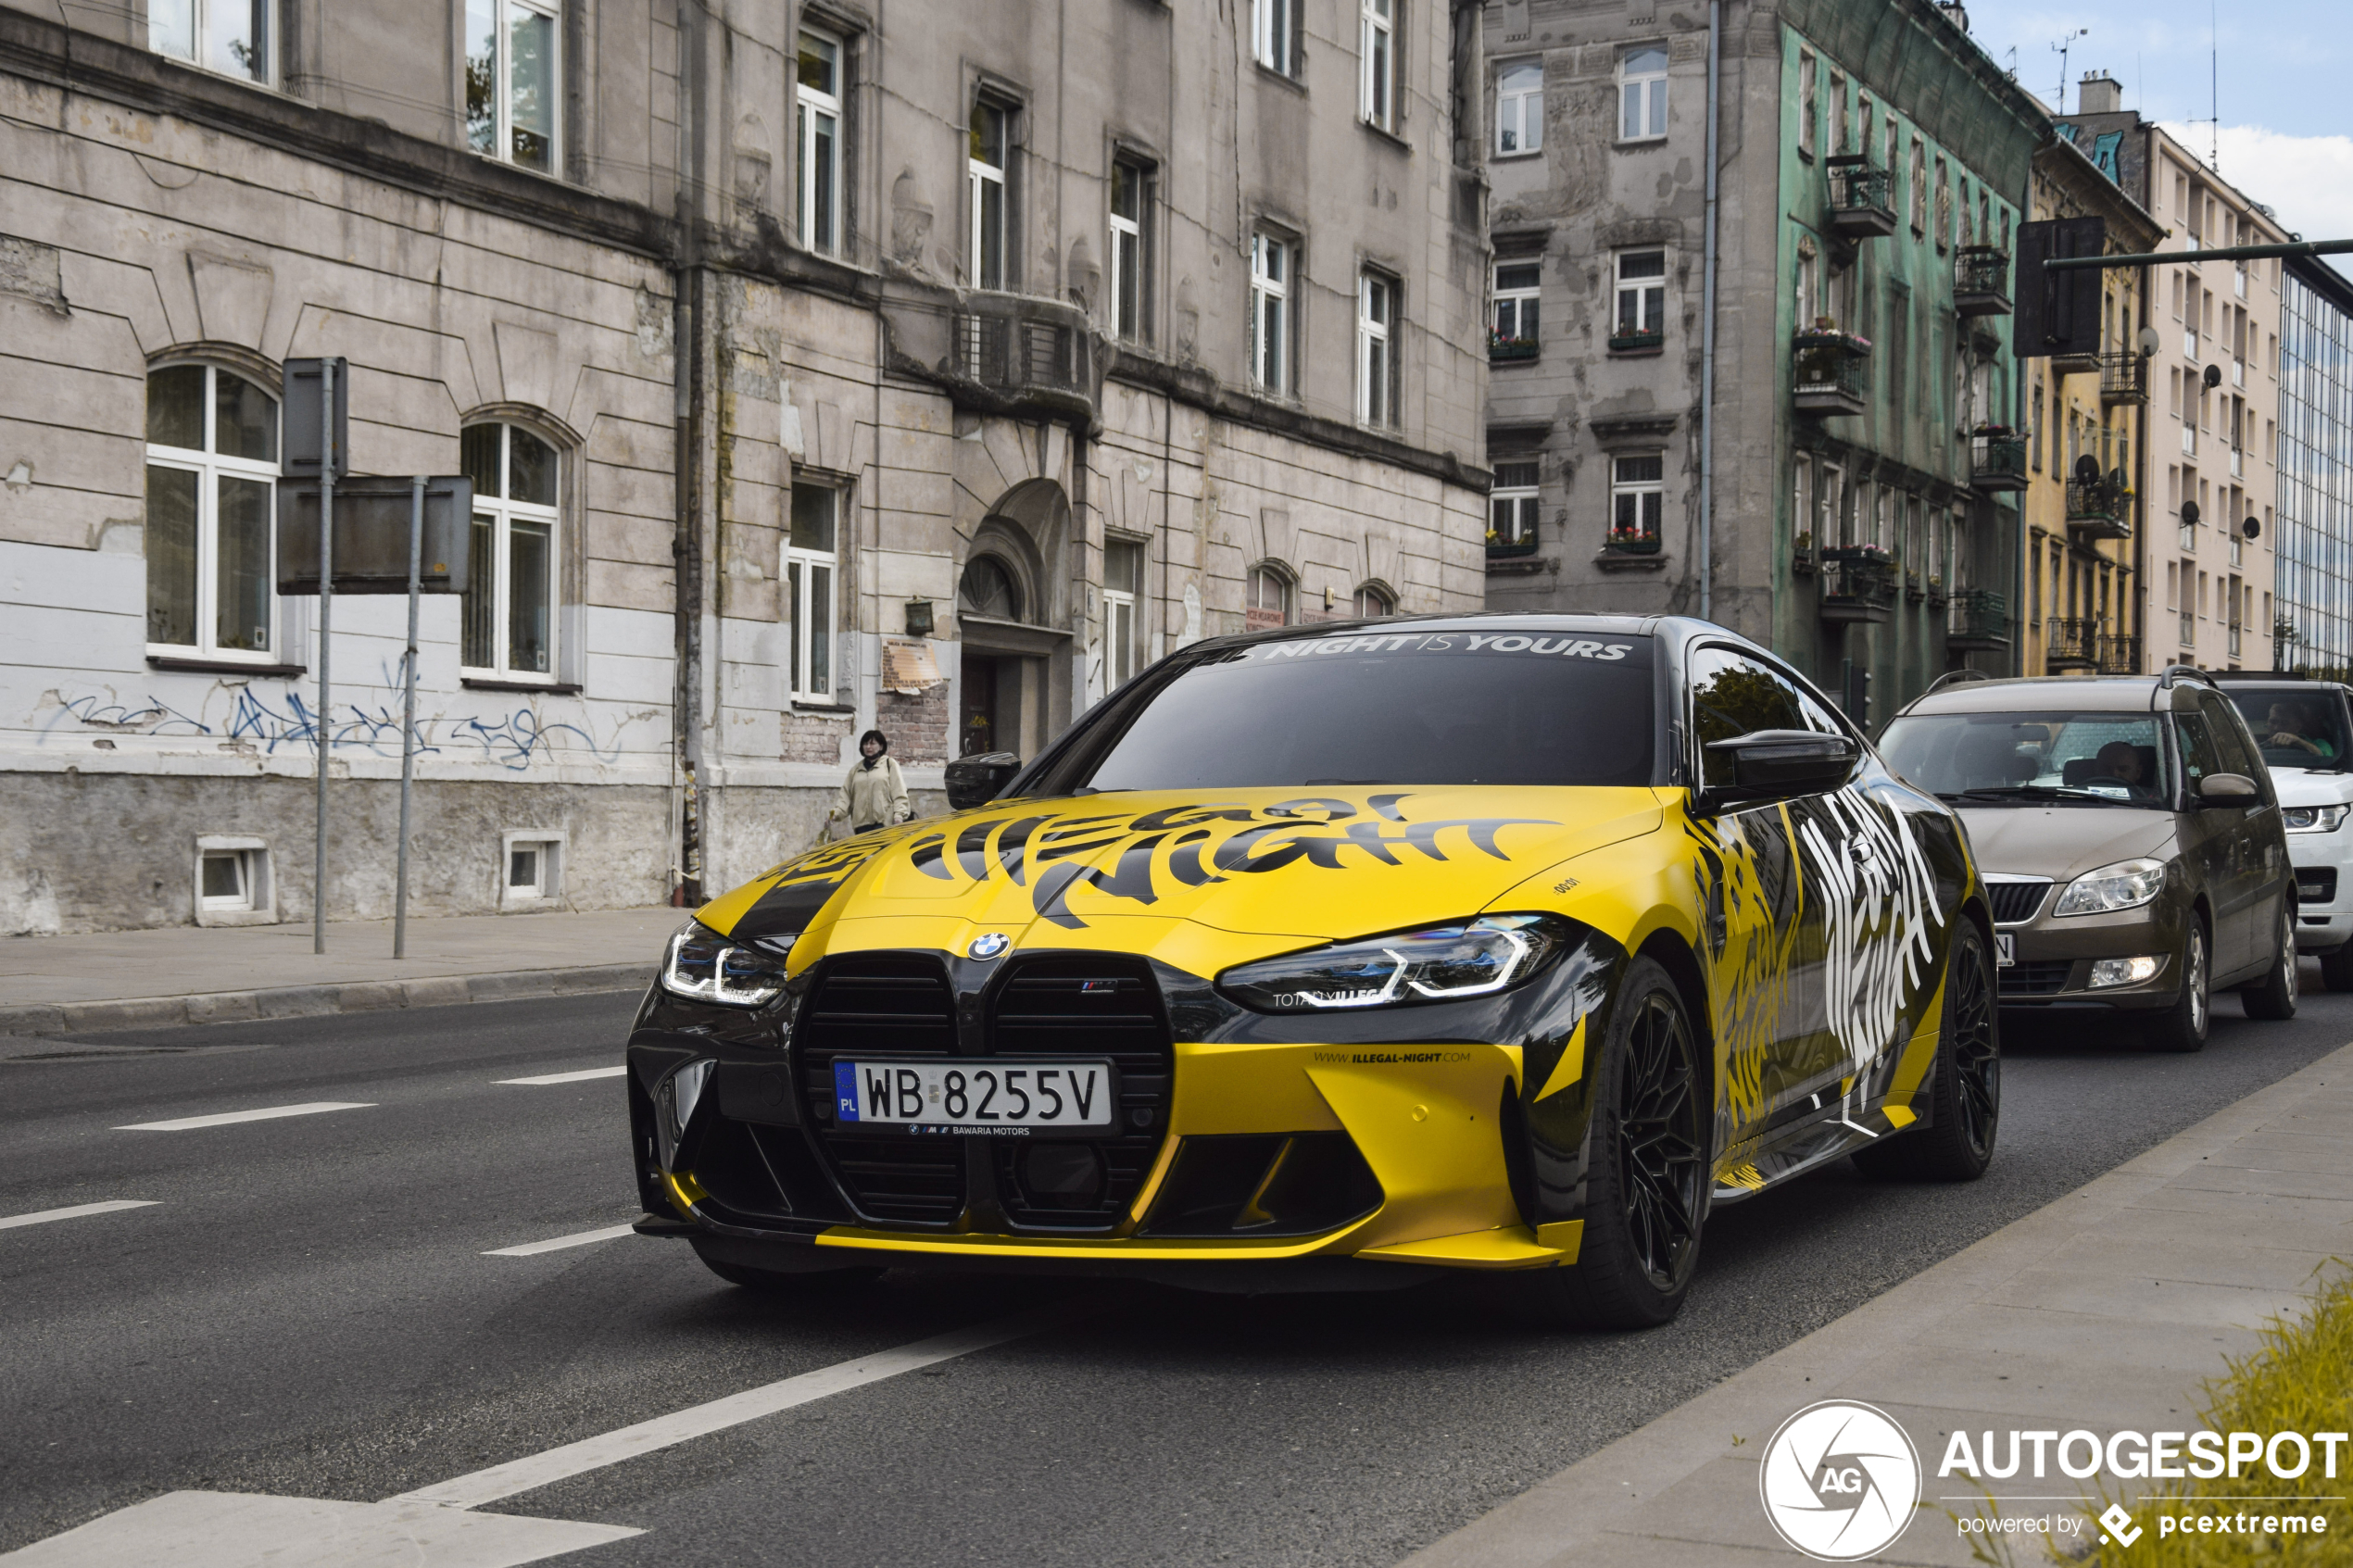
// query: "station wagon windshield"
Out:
[2096,759]
[1398,708]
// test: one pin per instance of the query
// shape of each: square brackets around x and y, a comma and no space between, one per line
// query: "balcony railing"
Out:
[1502,349]
[999,353]
[1979,621]
[2124,377]
[1830,371]
[2071,643]
[1859,585]
[1982,281]
[2099,509]
[1997,460]
[1861,203]
[2119,656]
[1631,340]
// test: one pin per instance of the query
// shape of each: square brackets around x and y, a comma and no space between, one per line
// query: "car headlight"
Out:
[706,967]
[2313,819]
[1443,963]
[2124,885]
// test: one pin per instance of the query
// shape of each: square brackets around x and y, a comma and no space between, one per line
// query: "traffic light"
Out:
[2058,313]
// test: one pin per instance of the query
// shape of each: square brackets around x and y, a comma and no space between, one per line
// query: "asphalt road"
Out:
[307,1310]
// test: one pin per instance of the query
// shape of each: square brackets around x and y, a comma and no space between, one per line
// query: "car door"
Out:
[2214,835]
[2258,851]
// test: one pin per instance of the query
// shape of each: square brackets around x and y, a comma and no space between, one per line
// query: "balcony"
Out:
[1979,622]
[1501,548]
[2098,508]
[2071,644]
[1982,281]
[1629,340]
[1859,585]
[1861,204]
[1830,371]
[1996,460]
[1502,350]
[2119,656]
[2124,377]
[1629,543]
[999,353]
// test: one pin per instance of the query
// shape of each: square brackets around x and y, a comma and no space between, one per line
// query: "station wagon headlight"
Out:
[2124,885]
[2313,819]
[1443,963]
[706,967]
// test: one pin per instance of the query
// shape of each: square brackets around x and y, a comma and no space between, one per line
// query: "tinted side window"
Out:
[2228,743]
[2200,757]
[1732,696]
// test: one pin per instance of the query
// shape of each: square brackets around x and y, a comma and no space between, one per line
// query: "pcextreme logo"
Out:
[1840,1481]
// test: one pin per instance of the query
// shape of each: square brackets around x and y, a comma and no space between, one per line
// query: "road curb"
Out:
[305,1001]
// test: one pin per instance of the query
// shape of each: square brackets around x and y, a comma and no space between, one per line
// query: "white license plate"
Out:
[975,1095]
[2005,949]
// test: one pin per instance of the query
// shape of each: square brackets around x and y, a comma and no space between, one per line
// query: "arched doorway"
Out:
[1013,619]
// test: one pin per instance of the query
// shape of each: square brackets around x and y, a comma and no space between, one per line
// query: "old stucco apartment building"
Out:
[818,366]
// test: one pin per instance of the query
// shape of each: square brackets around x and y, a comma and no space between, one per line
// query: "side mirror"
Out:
[2228,789]
[976,780]
[1773,763]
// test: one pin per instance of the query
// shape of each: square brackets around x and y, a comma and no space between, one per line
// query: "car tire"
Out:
[2181,1027]
[2336,967]
[1966,1103]
[1647,1180]
[786,1282]
[2274,1000]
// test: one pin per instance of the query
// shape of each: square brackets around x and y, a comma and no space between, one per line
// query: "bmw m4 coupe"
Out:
[1338,956]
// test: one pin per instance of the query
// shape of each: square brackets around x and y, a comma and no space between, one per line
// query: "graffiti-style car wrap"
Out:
[1348,1031]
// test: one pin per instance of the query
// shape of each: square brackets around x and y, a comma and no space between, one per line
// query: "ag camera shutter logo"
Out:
[1840,1481]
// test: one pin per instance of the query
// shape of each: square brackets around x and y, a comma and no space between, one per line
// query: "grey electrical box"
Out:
[308,436]
[371,536]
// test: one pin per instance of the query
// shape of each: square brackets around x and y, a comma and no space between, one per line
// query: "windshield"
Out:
[2092,758]
[2294,729]
[1440,708]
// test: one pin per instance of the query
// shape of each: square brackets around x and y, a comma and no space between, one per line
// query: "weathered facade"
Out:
[817,367]
[1872,164]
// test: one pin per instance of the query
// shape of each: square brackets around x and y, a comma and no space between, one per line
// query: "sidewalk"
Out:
[187,975]
[2104,1311]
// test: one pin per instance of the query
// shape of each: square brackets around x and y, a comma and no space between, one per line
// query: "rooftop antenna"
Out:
[2013,62]
[2063,46]
[2214,121]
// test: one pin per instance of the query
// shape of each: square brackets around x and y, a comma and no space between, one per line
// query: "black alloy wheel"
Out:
[1964,1103]
[1658,1140]
[2274,998]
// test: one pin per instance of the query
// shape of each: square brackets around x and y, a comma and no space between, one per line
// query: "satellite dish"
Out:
[2189,514]
[2150,342]
[2250,528]
[2213,375]
[2087,470]
[2116,482]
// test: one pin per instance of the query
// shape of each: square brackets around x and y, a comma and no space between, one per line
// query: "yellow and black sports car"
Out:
[1335,956]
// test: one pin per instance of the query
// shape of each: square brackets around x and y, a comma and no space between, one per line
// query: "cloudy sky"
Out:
[2286,136]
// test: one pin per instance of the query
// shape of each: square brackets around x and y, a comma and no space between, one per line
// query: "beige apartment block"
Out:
[820,367]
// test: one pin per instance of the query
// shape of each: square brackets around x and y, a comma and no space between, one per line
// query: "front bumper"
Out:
[2053,958]
[2324,864]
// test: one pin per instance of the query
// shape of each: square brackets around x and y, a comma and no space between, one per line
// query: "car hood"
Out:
[2298,787]
[2060,842]
[1196,877]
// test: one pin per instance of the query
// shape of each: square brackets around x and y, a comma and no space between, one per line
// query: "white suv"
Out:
[2305,731]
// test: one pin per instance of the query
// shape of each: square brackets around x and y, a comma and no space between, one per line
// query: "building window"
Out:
[1270,272]
[212,468]
[233,885]
[990,590]
[809,590]
[985,167]
[234,37]
[817,175]
[1376,350]
[1270,597]
[1519,108]
[1376,84]
[514,94]
[1637,499]
[1944,208]
[1123,586]
[1642,300]
[1274,28]
[509,616]
[1373,602]
[1518,287]
[1841,126]
[1641,95]
[1131,191]
[1808,109]
[1918,177]
[1511,505]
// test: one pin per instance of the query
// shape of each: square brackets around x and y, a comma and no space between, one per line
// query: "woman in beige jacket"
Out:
[874,794]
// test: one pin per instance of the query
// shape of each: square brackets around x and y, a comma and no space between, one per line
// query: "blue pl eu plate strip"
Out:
[846,1090]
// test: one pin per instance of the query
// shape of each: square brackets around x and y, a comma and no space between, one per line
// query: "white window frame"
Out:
[1286,593]
[809,574]
[979,177]
[1648,495]
[257,905]
[1649,294]
[1129,258]
[1519,110]
[820,231]
[1642,97]
[211,467]
[504,514]
[548,846]
[1525,302]
[502,137]
[204,40]
[1808,103]
[1120,660]
[1274,34]
[1373,602]
[1377,53]
[1524,501]
[1377,371]
[1274,264]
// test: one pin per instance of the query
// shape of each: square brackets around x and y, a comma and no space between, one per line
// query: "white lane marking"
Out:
[237,1530]
[13,1220]
[664,1431]
[570,1077]
[532,1248]
[268,1113]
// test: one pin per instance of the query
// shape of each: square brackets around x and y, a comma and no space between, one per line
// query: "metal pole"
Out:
[2191,258]
[1707,332]
[408,719]
[327,456]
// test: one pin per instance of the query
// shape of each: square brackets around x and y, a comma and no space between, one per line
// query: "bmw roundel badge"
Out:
[990,945]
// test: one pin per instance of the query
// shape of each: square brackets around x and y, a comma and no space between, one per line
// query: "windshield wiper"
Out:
[2035,792]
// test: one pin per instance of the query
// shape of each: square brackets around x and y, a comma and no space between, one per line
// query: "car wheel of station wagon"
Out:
[1647,1176]
[1967,1105]
[2274,998]
[2181,1027]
